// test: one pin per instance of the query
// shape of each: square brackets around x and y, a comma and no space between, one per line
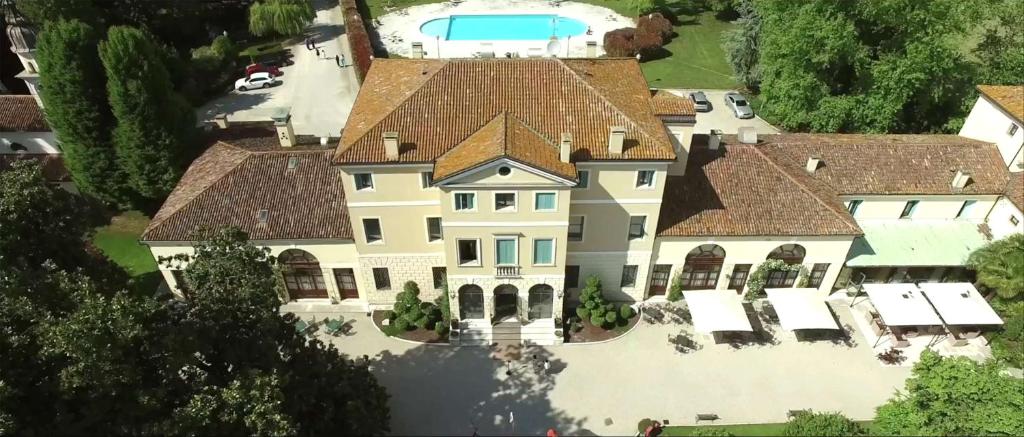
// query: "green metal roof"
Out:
[909,243]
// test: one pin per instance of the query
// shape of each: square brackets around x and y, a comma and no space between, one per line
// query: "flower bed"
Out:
[417,335]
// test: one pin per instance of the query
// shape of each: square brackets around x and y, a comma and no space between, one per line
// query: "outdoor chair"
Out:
[305,328]
[335,327]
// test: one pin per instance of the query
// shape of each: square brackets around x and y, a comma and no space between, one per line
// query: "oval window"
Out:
[504,171]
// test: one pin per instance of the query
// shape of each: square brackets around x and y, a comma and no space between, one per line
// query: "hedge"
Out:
[358,38]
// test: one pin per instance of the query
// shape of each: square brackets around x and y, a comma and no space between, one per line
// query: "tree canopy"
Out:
[282,17]
[1000,266]
[954,396]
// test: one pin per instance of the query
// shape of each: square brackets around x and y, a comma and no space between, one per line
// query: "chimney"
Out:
[591,49]
[323,141]
[565,147]
[812,164]
[615,139]
[221,120]
[391,145]
[417,50]
[747,135]
[961,179]
[283,123]
[714,139]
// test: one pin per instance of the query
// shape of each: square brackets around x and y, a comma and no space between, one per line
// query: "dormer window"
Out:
[645,179]
[262,216]
[293,161]
[1012,130]
[363,181]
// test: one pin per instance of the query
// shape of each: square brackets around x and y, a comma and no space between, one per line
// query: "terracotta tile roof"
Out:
[1010,98]
[228,185]
[21,114]
[1015,189]
[503,137]
[52,164]
[737,190]
[436,104]
[666,103]
[890,164]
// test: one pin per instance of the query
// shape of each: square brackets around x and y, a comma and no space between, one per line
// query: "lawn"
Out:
[696,60]
[762,429]
[119,241]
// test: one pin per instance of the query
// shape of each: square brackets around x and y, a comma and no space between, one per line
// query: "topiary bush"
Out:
[597,320]
[401,324]
[675,289]
[822,424]
[619,43]
[626,312]
[410,312]
[583,312]
[655,23]
[610,318]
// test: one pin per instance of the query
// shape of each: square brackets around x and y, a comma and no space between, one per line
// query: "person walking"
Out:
[309,43]
[317,51]
[337,60]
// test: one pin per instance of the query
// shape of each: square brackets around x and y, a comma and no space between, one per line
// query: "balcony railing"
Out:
[506,271]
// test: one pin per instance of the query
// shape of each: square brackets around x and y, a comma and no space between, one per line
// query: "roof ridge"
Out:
[846,218]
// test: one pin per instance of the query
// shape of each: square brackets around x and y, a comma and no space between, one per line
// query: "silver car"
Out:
[740,107]
[700,101]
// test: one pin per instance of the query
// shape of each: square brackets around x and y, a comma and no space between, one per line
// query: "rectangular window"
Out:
[965,209]
[544,201]
[465,201]
[505,251]
[381,278]
[440,275]
[469,252]
[628,276]
[544,251]
[908,209]
[852,207]
[572,276]
[434,232]
[346,280]
[1014,221]
[426,178]
[739,277]
[645,179]
[504,202]
[636,227]
[1012,129]
[584,176]
[371,227]
[363,181]
[817,275]
[660,277]
[575,228]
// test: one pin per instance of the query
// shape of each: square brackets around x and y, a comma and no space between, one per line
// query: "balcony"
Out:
[506,272]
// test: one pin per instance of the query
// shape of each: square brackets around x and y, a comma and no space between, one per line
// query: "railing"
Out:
[506,271]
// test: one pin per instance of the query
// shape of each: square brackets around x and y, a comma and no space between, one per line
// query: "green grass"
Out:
[759,429]
[119,241]
[697,59]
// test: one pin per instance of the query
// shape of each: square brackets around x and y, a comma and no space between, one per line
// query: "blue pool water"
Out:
[502,27]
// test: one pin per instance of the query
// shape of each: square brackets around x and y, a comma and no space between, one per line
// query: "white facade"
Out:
[1005,219]
[988,122]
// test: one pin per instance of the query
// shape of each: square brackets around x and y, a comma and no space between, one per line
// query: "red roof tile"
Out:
[21,114]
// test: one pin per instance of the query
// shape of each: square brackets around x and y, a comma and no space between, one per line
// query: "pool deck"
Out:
[399,29]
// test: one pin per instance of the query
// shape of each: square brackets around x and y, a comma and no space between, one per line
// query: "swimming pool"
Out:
[502,27]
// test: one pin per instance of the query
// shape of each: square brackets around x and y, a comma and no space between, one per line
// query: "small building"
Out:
[998,117]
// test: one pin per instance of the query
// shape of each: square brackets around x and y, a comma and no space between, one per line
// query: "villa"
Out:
[511,181]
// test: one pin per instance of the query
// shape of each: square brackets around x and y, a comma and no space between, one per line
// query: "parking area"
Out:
[721,117]
[319,93]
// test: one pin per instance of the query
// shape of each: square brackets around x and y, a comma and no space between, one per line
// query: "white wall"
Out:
[35,142]
[987,122]
[1000,219]
[929,207]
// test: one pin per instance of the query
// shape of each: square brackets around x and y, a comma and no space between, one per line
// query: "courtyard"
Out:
[604,389]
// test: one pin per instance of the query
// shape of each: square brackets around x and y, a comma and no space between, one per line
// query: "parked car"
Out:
[260,67]
[738,104]
[255,80]
[700,101]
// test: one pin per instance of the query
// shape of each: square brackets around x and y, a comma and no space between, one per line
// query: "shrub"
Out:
[611,317]
[401,324]
[712,431]
[441,329]
[444,305]
[224,47]
[619,42]
[597,320]
[598,311]
[822,424]
[626,312]
[655,23]
[647,44]
[675,289]
[422,322]
[583,312]
[1008,343]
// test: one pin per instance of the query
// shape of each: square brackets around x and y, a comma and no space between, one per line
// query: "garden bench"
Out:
[706,417]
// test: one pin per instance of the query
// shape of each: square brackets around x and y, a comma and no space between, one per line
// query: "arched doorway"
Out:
[471,302]
[791,254]
[703,266]
[302,275]
[506,302]
[541,301]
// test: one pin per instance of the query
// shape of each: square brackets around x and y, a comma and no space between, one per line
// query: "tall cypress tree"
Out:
[154,123]
[72,81]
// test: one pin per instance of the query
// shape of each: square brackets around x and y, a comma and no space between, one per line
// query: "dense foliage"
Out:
[741,46]
[759,277]
[954,396]
[81,355]
[1000,266]
[599,312]
[409,312]
[675,288]
[282,17]
[822,424]
[154,123]
[1008,342]
[646,40]
[72,90]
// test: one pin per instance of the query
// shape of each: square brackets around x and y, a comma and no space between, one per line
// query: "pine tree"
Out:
[154,123]
[71,79]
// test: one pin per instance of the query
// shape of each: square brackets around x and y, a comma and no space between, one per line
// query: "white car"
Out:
[255,80]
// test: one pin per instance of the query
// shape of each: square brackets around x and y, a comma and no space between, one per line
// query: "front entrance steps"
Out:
[482,333]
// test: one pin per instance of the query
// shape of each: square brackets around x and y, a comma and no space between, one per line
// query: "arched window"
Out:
[703,266]
[471,302]
[302,275]
[791,254]
[506,302]
[541,301]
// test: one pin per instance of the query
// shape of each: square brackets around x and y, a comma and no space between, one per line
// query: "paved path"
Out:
[605,389]
[319,93]
[721,117]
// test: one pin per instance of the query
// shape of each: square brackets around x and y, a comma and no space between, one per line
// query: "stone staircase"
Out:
[482,333]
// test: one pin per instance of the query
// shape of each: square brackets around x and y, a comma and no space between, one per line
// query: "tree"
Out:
[954,396]
[71,87]
[40,12]
[741,45]
[154,124]
[1001,50]
[283,17]
[1000,266]
[822,424]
